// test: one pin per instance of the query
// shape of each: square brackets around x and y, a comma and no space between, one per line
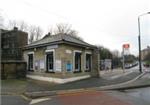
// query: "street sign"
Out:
[126,46]
[125,49]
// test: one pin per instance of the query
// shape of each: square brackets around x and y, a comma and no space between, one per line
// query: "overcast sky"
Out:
[110,23]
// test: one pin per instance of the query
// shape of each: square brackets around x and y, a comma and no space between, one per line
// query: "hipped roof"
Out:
[57,39]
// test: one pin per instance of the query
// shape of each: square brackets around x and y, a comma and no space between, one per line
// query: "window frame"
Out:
[31,69]
[46,63]
[77,70]
[88,69]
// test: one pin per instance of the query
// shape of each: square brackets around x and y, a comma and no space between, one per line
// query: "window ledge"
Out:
[77,71]
[50,72]
[31,70]
[87,70]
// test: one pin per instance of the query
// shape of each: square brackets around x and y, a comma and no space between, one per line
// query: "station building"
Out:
[61,58]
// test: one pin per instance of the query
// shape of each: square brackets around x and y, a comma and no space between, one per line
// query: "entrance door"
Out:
[77,61]
[50,61]
[30,62]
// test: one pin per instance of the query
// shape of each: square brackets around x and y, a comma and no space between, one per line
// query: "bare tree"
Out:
[31,32]
[11,24]
[63,28]
[38,33]
[50,30]
[23,26]
[35,33]
[1,21]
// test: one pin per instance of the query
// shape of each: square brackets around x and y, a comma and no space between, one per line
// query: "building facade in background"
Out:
[61,58]
[12,42]
[145,52]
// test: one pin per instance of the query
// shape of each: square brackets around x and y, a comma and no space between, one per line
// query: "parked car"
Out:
[146,65]
[127,66]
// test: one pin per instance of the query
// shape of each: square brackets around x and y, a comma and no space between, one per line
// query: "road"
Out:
[143,93]
[138,96]
[13,100]
[136,68]
[128,97]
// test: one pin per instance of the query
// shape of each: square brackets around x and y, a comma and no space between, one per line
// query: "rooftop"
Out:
[49,39]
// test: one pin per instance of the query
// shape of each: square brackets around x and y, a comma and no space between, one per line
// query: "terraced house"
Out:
[61,58]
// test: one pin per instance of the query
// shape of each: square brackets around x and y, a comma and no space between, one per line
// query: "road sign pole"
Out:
[123,60]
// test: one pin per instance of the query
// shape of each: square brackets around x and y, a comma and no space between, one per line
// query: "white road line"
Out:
[147,75]
[117,76]
[25,98]
[121,84]
[34,101]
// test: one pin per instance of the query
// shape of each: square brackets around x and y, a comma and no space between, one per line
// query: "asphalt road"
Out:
[13,100]
[143,93]
[138,96]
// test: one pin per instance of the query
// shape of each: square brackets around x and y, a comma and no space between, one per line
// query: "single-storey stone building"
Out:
[61,58]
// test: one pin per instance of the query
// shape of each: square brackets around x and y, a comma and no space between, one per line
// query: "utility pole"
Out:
[139,41]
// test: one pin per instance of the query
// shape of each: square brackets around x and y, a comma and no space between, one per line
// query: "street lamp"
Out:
[139,40]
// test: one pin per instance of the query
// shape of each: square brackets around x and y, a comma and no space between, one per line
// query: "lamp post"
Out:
[139,40]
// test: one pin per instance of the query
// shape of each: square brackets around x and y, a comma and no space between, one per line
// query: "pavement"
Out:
[115,79]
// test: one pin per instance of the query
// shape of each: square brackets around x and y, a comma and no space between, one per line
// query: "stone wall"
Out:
[13,69]
[96,63]
[12,42]
[65,53]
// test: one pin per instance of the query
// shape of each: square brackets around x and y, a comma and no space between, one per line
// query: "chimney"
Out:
[15,28]
[49,34]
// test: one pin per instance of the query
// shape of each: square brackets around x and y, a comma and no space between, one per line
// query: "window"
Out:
[77,61]
[30,62]
[50,61]
[88,62]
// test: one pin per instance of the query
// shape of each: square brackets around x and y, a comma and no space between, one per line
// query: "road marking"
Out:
[147,75]
[34,101]
[120,84]
[25,98]
[117,76]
